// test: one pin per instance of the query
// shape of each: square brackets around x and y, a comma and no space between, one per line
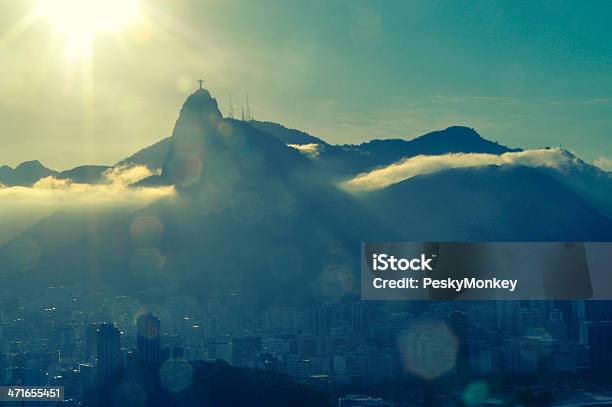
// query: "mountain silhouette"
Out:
[30,172]
[205,146]
[25,174]
[253,213]
[152,156]
[5,173]
[588,181]
[286,135]
[342,161]
[85,174]
[241,193]
[493,203]
[454,139]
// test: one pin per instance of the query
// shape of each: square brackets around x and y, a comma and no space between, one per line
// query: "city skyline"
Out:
[91,343]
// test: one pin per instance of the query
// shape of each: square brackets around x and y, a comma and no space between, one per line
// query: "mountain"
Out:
[342,161]
[455,139]
[25,174]
[85,174]
[348,160]
[153,156]
[205,144]
[254,214]
[494,203]
[5,174]
[588,181]
[30,172]
[241,193]
[286,135]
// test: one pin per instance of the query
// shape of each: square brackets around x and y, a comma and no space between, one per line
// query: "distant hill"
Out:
[5,174]
[30,172]
[342,161]
[455,139]
[85,174]
[25,174]
[349,159]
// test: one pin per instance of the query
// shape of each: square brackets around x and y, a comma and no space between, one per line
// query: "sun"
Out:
[79,21]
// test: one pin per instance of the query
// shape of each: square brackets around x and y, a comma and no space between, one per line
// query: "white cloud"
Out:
[605,163]
[311,150]
[21,207]
[127,174]
[424,164]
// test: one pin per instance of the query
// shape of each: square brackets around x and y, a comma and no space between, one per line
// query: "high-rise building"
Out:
[245,349]
[66,338]
[91,335]
[599,340]
[108,341]
[148,340]
[507,316]
[458,323]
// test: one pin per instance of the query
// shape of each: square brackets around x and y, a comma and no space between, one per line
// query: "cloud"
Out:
[21,207]
[127,174]
[52,193]
[311,150]
[426,164]
[605,163]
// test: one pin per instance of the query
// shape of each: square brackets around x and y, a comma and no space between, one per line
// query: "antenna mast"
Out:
[248,112]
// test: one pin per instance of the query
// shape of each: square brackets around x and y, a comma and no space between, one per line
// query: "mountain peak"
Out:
[31,165]
[195,135]
[461,139]
[26,173]
[201,103]
[454,132]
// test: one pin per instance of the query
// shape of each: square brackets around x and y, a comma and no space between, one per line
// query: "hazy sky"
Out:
[524,73]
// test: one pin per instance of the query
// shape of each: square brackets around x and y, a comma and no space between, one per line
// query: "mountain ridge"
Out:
[242,191]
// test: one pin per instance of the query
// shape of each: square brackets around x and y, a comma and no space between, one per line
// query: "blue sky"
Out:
[524,73]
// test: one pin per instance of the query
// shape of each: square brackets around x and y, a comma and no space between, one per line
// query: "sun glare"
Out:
[79,21]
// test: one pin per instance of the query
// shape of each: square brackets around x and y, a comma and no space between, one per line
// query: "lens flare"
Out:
[79,21]
[83,17]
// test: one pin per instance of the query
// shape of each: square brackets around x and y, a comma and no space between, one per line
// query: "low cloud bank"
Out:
[53,192]
[426,164]
[21,207]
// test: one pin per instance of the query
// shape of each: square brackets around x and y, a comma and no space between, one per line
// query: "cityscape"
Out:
[305,204]
[356,353]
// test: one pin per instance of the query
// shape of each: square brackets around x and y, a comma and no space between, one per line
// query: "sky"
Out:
[524,73]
